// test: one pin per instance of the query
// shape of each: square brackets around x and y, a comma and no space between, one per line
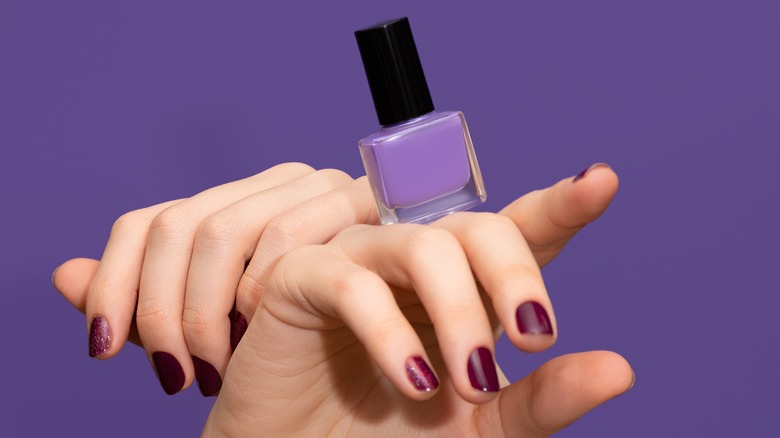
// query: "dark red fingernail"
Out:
[238,327]
[588,169]
[482,370]
[169,372]
[99,336]
[209,380]
[532,319]
[420,374]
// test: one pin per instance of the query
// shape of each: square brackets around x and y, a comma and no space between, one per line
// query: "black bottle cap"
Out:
[394,72]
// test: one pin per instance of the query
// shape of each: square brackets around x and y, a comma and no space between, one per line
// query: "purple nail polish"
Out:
[169,372]
[532,319]
[99,336]
[420,374]
[588,169]
[482,370]
[421,164]
[209,380]
[238,326]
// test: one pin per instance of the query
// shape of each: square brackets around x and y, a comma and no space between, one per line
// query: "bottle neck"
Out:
[411,121]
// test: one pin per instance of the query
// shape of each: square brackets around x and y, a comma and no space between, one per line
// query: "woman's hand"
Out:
[171,273]
[355,337]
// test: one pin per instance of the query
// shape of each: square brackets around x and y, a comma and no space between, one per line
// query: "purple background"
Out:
[105,109]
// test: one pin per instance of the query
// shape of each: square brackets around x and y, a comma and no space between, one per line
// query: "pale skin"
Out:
[325,350]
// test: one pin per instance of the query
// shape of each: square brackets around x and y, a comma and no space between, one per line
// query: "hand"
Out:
[171,273]
[350,335]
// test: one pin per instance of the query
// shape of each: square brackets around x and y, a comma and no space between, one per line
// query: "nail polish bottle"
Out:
[421,164]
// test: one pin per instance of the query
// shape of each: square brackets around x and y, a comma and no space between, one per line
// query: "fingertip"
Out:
[600,178]
[482,376]
[72,279]
[604,375]
[422,378]
[613,373]
[588,196]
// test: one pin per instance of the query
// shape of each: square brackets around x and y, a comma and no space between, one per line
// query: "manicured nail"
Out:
[633,381]
[238,327]
[99,336]
[532,319]
[482,370]
[53,274]
[420,374]
[169,372]
[588,169]
[209,381]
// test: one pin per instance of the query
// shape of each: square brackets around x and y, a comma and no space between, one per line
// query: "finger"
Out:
[549,218]
[111,299]
[559,392]
[431,262]
[348,294]
[73,279]
[222,244]
[507,270]
[312,222]
[169,246]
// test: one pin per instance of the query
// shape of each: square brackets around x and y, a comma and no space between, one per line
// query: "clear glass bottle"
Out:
[423,168]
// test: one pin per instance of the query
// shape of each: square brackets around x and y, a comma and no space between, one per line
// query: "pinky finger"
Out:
[73,278]
[365,304]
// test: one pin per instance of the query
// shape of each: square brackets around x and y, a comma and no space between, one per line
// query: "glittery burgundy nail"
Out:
[169,372]
[238,327]
[99,336]
[209,381]
[532,319]
[482,370]
[420,374]
[588,169]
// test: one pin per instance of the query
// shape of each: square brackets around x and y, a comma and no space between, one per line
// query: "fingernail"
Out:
[99,336]
[588,169]
[209,381]
[238,327]
[633,380]
[532,319]
[482,370]
[53,274]
[420,374]
[169,372]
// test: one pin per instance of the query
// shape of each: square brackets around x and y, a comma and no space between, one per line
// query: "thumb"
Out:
[73,278]
[562,390]
[548,218]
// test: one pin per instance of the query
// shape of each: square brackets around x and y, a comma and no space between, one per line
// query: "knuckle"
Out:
[196,324]
[152,315]
[465,312]
[424,240]
[216,228]
[489,223]
[518,273]
[353,284]
[101,284]
[386,330]
[127,223]
[334,176]
[250,290]
[169,222]
[285,229]
[295,167]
